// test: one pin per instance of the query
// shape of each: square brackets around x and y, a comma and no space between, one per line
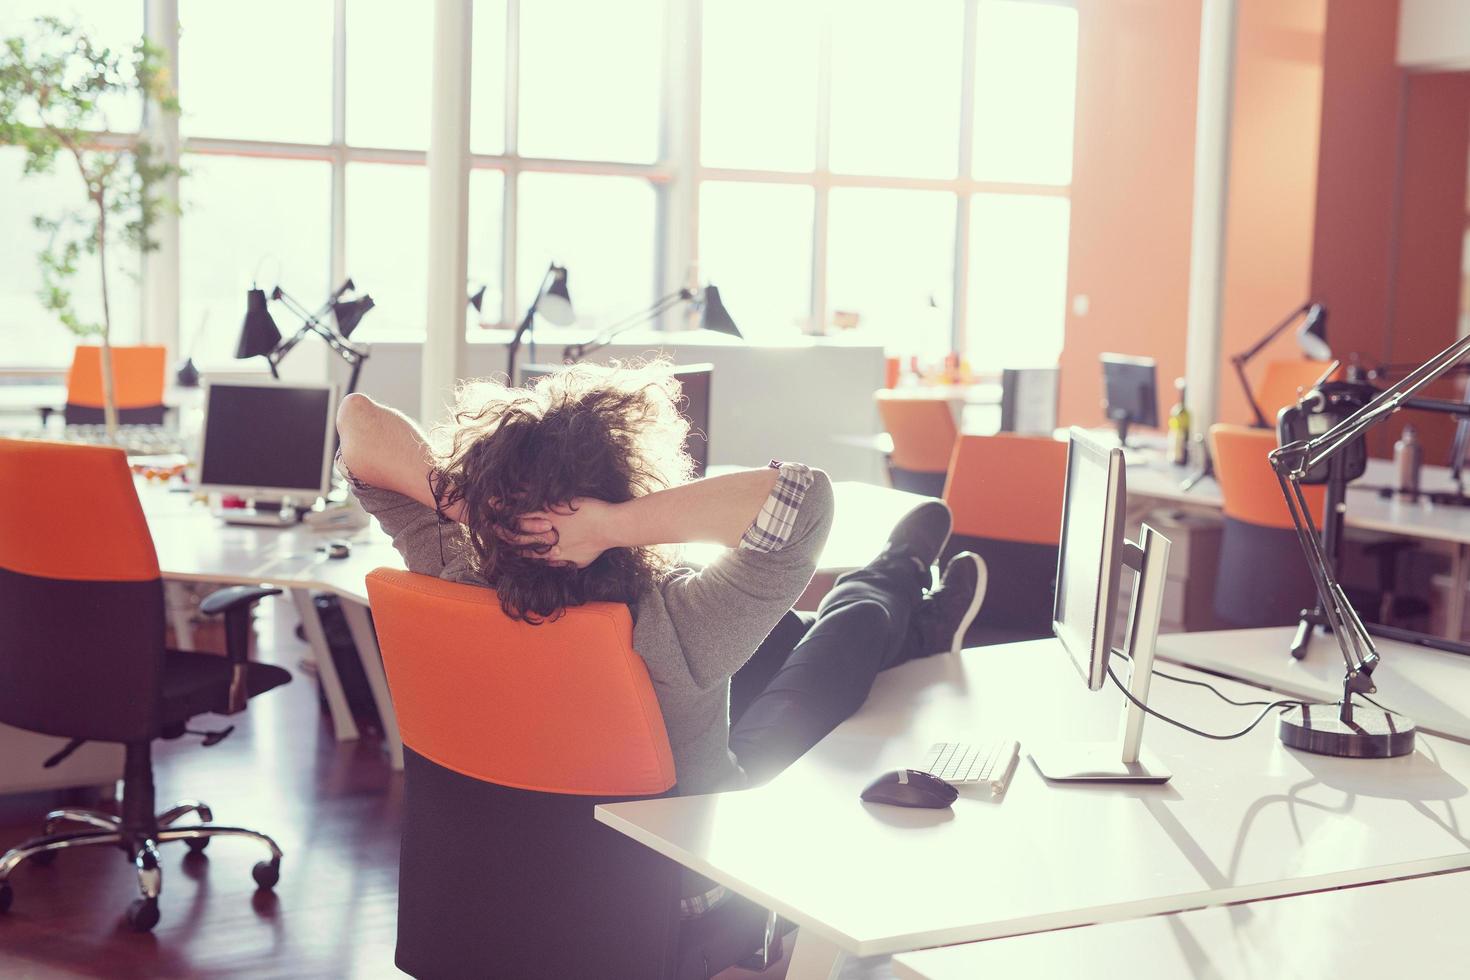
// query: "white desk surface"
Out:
[31,398]
[1241,820]
[1430,686]
[1388,930]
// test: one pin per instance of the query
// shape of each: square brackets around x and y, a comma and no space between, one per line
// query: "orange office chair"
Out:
[82,654]
[924,433]
[1006,496]
[512,733]
[1263,577]
[1280,383]
[138,378]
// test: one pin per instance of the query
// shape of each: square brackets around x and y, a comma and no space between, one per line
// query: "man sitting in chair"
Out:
[564,494]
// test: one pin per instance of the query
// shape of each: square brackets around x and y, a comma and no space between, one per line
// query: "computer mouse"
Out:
[910,787]
[338,549]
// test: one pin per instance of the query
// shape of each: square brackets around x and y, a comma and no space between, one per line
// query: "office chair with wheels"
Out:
[138,380]
[512,734]
[1006,496]
[924,433]
[83,657]
[1263,579]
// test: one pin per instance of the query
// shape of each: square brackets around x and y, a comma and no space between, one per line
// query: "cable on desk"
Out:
[1204,684]
[1285,703]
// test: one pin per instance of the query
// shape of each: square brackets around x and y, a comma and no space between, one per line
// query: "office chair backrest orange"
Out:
[512,734]
[138,375]
[1263,578]
[80,594]
[924,433]
[1282,380]
[1006,495]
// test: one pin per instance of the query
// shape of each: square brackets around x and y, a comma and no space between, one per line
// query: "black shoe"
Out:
[948,611]
[922,534]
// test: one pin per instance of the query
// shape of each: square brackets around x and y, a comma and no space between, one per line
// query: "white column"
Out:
[449,175]
[1211,196]
[160,293]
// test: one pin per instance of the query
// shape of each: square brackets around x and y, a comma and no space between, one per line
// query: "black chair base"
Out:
[140,846]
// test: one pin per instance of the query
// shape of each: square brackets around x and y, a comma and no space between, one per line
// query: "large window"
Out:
[896,171]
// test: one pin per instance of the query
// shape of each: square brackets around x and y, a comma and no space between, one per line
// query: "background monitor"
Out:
[268,439]
[1090,559]
[1130,392]
[696,381]
[1028,400]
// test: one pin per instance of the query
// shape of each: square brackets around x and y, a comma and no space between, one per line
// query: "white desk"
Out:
[1240,820]
[1430,686]
[193,545]
[1393,929]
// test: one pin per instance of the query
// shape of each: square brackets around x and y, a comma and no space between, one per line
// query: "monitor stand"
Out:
[1108,762]
[264,513]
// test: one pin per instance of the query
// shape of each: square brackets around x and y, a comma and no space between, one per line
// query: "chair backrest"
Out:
[1263,579]
[923,431]
[1006,496]
[1280,382]
[512,734]
[137,376]
[563,707]
[81,601]
[1248,485]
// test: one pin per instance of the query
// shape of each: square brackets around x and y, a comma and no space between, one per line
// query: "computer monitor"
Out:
[696,381]
[1130,392]
[268,441]
[1090,564]
[1028,400]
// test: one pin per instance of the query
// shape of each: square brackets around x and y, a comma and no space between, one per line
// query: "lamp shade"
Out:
[555,303]
[1311,336]
[349,314]
[714,316]
[258,334]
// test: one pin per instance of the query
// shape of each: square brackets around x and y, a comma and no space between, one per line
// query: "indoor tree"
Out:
[56,89]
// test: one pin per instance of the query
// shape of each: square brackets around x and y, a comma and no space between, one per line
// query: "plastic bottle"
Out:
[1408,454]
[1179,423]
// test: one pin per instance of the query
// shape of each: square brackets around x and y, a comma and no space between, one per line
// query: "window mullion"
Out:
[822,178]
[960,310]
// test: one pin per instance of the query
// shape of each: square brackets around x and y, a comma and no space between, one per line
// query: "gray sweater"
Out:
[694,628]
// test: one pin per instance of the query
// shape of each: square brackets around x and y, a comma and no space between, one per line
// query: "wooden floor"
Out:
[332,807]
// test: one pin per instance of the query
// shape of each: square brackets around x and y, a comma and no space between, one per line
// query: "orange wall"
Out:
[1132,192]
[1425,303]
[1271,208]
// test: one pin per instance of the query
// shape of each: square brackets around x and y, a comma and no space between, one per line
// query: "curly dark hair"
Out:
[613,433]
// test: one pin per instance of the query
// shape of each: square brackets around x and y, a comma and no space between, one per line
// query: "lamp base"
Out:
[1374,733]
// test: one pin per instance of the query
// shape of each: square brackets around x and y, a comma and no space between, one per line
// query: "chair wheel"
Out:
[266,874]
[143,914]
[44,859]
[196,845]
[6,897]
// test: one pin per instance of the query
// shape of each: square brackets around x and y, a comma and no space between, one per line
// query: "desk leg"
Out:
[814,958]
[1456,613]
[366,641]
[342,721]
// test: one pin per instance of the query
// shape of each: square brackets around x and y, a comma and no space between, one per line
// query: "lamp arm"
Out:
[1293,461]
[575,352]
[1271,335]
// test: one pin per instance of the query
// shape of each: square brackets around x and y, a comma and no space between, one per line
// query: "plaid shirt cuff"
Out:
[776,522]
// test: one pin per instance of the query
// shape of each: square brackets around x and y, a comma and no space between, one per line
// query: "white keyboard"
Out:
[962,763]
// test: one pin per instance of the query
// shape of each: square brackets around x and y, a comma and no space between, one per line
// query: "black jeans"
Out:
[814,670]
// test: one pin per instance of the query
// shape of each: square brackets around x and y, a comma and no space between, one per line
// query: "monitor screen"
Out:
[1131,389]
[271,438]
[1090,557]
[696,381]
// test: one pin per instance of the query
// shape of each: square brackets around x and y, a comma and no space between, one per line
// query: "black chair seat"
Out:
[199,683]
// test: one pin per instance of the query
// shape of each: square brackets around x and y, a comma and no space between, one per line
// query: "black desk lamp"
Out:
[260,337]
[1351,730]
[712,316]
[553,302]
[1311,336]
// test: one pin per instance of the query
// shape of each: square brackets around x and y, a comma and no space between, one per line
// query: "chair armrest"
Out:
[236,602]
